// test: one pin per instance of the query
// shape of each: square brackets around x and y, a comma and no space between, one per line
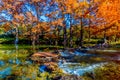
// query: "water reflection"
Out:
[14,61]
[5,72]
[2,63]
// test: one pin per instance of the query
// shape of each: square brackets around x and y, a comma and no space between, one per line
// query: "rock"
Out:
[66,54]
[57,78]
[45,54]
[71,77]
[67,77]
[48,67]
[43,57]
[42,68]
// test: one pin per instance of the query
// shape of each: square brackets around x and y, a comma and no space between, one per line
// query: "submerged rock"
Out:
[43,68]
[48,67]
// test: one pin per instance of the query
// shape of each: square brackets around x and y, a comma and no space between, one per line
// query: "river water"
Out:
[15,62]
[89,60]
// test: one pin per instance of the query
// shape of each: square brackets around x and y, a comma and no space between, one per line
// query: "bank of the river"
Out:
[45,43]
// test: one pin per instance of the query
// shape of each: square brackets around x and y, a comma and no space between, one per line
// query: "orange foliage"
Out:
[109,10]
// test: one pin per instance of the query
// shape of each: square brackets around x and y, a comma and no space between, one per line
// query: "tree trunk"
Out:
[37,37]
[116,33]
[33,39]
[58,35]
[89,36]
[65,36]
[105,35]
[16,36]
[71,41]
[56,39]
[16,39]
[81,34]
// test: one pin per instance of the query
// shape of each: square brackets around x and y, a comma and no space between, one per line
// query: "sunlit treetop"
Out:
[52,8]
[109,10]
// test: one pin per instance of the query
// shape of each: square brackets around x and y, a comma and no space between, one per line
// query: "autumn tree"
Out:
[14,9]
[109,11]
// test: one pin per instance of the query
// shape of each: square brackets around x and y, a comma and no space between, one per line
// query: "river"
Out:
[15,63]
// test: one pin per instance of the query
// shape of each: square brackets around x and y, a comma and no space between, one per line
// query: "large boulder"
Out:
[43,57]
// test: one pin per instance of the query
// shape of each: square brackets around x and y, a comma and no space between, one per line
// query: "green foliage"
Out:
[24,72]
[6,56]
[24,46]
[110,71]
[6,39]
[50,76]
